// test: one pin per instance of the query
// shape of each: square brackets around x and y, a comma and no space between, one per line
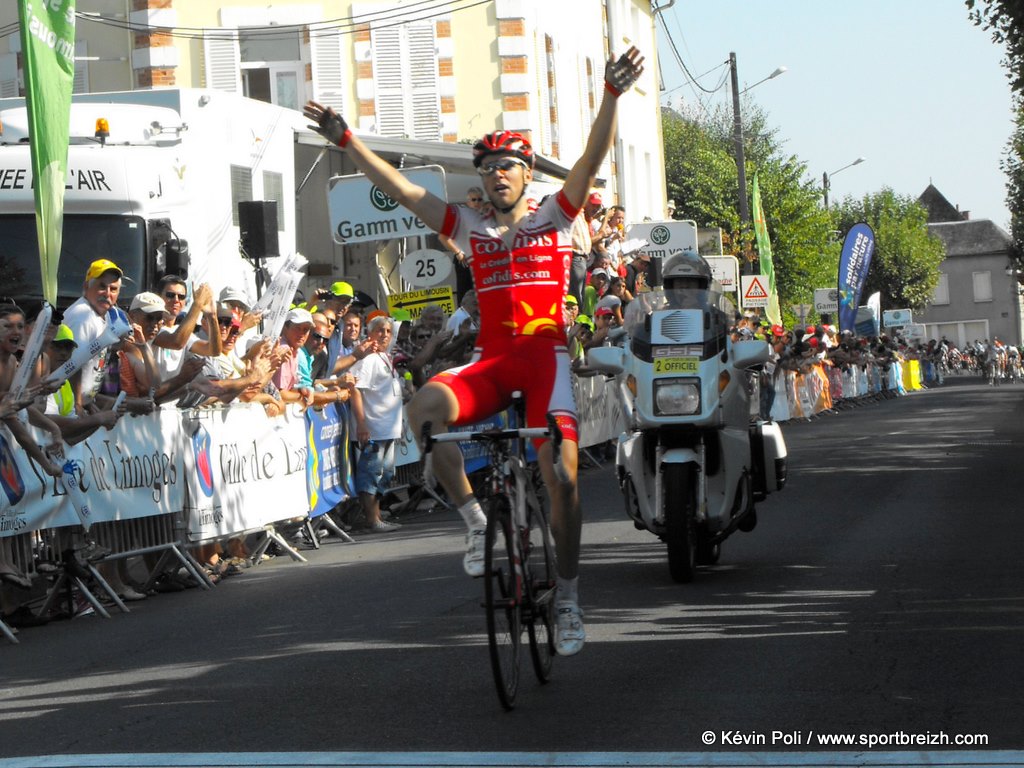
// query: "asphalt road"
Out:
[880,594]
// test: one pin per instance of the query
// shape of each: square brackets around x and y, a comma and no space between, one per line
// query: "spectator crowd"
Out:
[196,347]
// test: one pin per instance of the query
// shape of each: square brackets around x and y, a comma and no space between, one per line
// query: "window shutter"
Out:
[388,82]
[543,100]
[241,189]
[405,81]
[223,60]
[9,76]
[81,82]
[982,286]
[423,89]
[328,82]
[941,293]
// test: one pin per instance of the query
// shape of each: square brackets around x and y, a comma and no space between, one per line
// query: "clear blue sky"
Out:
[911,85]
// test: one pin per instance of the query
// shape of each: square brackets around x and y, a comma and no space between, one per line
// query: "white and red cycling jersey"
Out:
[521,291]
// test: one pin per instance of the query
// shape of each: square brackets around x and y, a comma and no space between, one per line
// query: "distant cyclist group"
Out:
[996,361]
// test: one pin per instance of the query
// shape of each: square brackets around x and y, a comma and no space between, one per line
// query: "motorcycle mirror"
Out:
[746,354]
[609,360]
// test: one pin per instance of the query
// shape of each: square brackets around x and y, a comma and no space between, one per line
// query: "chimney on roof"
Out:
[965,215]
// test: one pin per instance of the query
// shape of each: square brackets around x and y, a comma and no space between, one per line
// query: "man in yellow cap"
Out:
[337,299]
[87,319]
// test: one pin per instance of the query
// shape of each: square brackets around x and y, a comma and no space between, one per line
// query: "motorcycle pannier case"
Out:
[768,455]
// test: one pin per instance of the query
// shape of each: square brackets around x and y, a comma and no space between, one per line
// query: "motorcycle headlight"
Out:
[676,397]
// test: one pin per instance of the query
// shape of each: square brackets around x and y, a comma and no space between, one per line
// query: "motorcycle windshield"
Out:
[707,300]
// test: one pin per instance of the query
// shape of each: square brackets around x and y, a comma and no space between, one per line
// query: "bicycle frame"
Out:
[518,594]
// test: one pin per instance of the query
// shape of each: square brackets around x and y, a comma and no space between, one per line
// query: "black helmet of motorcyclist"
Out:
[686,269]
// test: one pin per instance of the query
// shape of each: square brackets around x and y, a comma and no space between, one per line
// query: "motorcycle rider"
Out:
[687,279]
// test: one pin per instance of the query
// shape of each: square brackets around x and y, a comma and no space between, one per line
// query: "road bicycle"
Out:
[519,560]
[992,372]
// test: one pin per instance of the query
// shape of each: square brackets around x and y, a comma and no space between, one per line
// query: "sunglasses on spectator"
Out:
[422,336]
[505,165]
[225,320]
[475,199]
[320,337]
[173,295]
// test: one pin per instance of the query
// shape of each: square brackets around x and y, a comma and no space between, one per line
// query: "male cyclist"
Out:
[520,255]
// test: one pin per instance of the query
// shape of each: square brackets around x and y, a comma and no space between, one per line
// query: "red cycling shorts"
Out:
[536,366]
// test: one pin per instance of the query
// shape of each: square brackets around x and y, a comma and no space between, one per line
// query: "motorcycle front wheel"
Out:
[680,495]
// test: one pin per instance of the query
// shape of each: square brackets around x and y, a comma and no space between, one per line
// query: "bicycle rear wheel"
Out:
[502,595]
[542,575]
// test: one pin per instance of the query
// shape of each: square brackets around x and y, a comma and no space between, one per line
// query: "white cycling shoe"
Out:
[569,633]
[476,543]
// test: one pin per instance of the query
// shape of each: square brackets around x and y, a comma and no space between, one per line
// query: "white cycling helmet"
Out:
[686,269]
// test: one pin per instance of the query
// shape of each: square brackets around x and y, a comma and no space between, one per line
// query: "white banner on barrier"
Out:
[243,470]
[600,411]
[132,471]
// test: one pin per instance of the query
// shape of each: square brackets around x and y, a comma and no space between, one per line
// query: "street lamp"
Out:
[826,177]
[737,129]
[778,71]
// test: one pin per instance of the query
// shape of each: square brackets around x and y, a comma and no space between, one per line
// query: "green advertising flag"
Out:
[764,250]
[48,55]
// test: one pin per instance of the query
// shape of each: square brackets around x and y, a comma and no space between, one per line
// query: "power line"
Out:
[682,64]
[328,27]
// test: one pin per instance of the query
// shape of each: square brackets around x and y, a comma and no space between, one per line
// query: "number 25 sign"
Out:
[426,267]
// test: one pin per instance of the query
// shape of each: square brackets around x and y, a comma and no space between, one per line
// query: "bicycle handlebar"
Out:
[552,431]
[491,435]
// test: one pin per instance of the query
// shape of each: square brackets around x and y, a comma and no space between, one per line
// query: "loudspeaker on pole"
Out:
[257,225]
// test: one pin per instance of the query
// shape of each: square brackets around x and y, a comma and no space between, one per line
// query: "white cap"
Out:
[148,303]
[600,271]
[298,316]
[234,294]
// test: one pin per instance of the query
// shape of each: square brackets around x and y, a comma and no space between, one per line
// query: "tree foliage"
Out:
[1012,165]
[905,264]
[1005,20]
[703,181]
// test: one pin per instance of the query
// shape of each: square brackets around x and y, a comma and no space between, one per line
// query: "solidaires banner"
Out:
[129,472]
[48,56]
[243,470]
[854,263]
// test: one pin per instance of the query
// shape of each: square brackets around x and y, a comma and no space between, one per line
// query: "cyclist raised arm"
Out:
[619,77]
[519,254]
[428,207]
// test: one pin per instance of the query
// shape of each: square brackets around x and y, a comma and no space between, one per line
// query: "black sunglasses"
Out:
[505,165]
[320,336]
[225,320]
[173,295]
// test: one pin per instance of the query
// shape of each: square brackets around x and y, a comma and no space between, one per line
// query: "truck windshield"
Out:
[122,239]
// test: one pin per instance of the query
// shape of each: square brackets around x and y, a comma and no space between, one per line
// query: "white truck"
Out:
[158,195]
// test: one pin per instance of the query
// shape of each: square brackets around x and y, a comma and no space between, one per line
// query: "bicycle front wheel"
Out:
[503,599]
[541,568]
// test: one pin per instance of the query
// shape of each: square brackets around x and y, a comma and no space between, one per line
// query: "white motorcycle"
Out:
[692,463]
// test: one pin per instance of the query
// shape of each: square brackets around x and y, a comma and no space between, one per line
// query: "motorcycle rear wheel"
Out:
[680,493]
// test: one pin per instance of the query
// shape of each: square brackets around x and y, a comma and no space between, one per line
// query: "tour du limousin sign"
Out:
[360,212]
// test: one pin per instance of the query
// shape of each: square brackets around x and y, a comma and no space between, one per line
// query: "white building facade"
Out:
[428,71]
